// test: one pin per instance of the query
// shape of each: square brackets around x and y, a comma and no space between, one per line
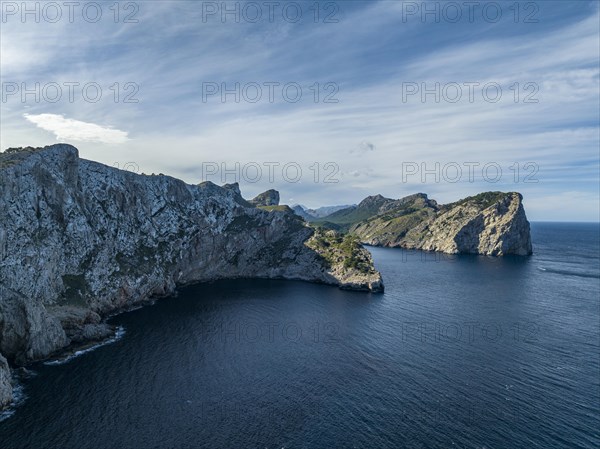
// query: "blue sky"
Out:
[371,53]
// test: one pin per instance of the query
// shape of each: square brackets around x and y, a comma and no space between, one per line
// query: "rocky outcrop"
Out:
[268,198]
[6,394]
[347,260]
[234,187]
[495,226]
[491,223]
[27,331]
[80,240]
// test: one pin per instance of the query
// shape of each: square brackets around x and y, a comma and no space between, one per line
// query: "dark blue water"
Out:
[465,352]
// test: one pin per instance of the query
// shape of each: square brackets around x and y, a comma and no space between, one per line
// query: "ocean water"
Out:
[462,351]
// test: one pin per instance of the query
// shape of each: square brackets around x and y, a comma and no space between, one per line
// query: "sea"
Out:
[459,352]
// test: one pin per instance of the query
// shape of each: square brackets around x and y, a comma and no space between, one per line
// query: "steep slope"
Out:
[79,240]
[491,223]
[394,219]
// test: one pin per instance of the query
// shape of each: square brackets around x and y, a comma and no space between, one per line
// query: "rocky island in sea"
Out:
[80,240]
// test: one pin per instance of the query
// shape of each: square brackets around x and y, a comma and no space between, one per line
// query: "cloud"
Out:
[364,147]
[68,129]
[559,134]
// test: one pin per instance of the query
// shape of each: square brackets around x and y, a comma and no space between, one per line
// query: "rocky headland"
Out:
[490,223]
[80,240]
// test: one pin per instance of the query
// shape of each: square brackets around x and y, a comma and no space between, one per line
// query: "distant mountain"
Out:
[301,211]
[328,210]
[316,214]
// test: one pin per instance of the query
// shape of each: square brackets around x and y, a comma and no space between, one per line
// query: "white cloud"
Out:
[66,129]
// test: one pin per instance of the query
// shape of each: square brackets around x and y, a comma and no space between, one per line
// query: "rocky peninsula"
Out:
[80,240]
[490,223]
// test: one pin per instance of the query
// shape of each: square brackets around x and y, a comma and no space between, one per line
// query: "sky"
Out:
[327,102]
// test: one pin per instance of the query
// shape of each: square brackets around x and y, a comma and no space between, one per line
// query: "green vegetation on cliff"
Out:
[338,248]
[482,200]
[12,156]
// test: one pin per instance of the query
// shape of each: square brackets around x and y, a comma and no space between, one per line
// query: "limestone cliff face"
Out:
[491,223]
[495,229]
[79,240]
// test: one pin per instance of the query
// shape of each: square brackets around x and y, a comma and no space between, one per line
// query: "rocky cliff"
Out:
[491,223]
[268,198]
[79,240]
